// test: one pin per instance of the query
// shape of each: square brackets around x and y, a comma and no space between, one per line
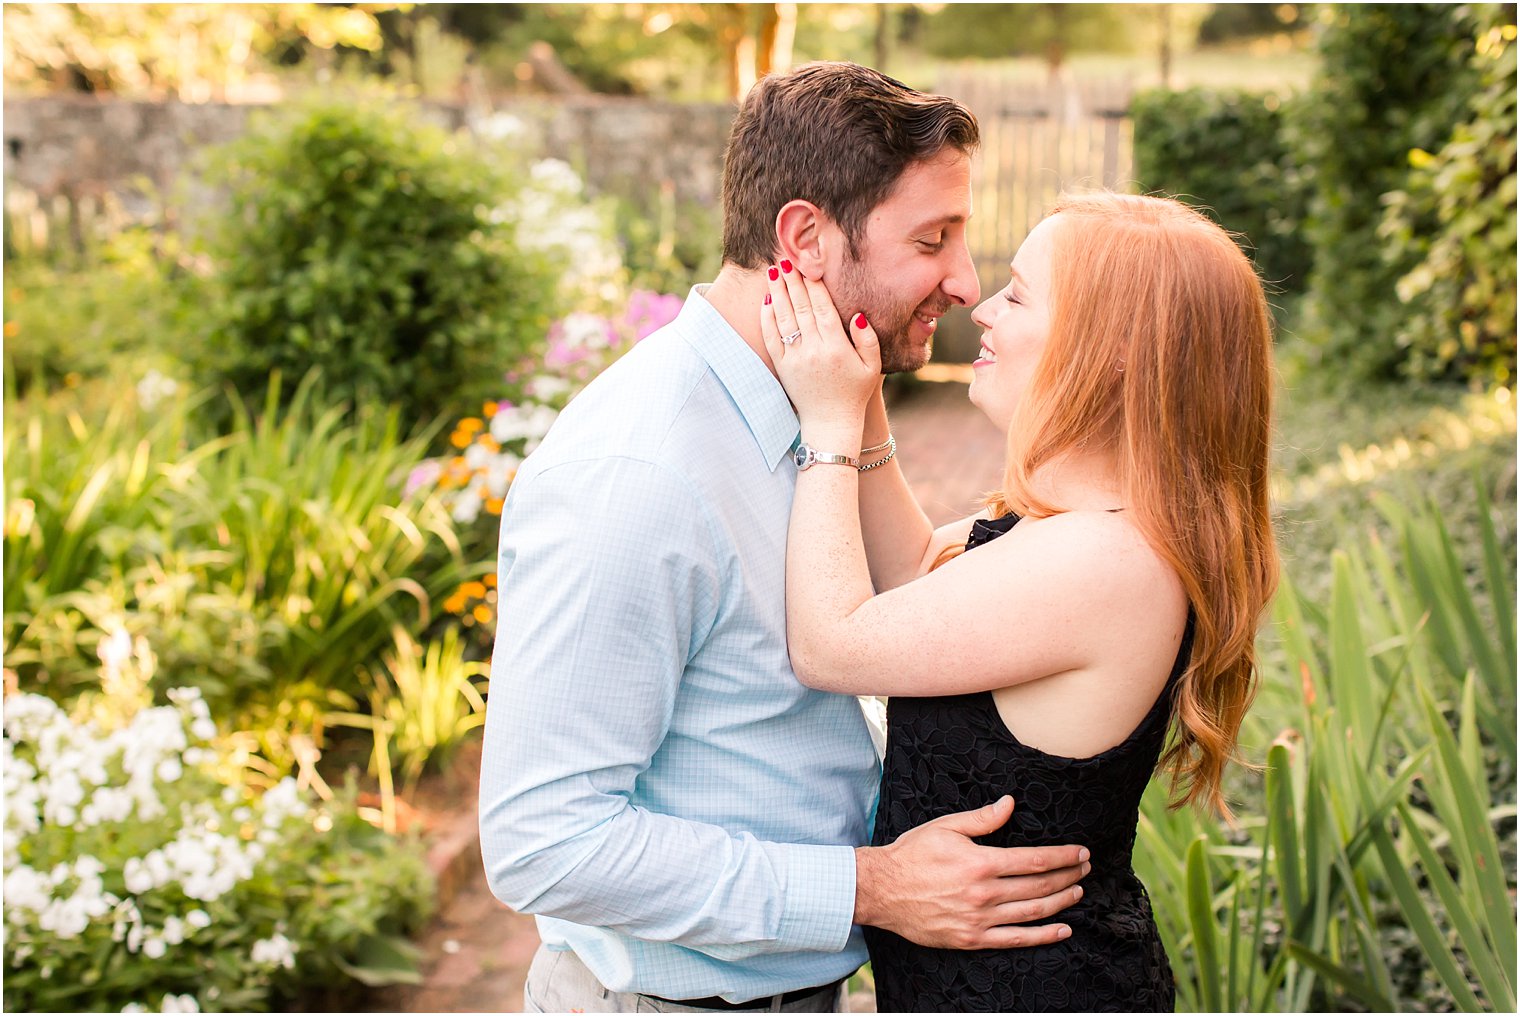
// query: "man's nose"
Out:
[961,284]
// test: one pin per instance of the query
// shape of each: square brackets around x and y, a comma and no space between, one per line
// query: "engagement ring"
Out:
[787,340]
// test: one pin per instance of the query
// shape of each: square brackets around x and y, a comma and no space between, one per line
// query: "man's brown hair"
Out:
[836,134]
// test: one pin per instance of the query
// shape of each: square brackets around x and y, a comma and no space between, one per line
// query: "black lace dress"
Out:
[954,753]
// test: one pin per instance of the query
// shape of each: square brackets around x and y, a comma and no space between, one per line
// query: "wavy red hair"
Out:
[1160,352]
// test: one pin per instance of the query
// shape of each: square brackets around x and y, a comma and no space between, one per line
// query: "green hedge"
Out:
[1393,78]
[1225,153]
[1461,291]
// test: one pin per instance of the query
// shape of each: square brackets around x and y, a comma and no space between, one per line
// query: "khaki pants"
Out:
[559,982]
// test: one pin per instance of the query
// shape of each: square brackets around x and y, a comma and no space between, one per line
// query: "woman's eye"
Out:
[932,243]
[1008,295]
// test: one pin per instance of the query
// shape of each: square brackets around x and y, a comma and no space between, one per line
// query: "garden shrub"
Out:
[267,567]
[1373,866]
[134,304]
[1394,77]
[1461,292]
[383,250]
[1224,152]
[141,874]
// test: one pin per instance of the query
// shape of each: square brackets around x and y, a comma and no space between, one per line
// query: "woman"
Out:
[1109,594]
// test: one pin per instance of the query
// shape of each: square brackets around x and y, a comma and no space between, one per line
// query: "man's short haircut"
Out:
[836,134]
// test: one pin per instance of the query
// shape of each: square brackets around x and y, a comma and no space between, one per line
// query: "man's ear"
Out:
[803,236]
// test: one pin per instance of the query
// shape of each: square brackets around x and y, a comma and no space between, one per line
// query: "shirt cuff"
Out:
[820,897]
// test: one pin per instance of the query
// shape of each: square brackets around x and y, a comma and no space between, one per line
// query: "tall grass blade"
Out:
[1367,994]
[1205,926]
[1421,922]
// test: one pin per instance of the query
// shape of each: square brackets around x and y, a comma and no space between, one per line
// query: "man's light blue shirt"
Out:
[657,786]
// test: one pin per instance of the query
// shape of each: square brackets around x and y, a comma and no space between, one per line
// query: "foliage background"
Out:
[310,547]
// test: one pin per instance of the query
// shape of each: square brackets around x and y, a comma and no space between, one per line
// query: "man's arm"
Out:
[938,888]
[608,580]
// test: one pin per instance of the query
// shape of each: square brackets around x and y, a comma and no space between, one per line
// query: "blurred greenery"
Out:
[1393,77]
[685,51]
[1375,869]
[280,562]
[1224,152]
[383,251]
[1461,290]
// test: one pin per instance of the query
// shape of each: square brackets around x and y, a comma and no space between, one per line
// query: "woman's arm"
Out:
[1029,605]
[900,542]
[1052,596]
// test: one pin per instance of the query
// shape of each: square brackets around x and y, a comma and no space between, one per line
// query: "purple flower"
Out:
[649,311]
[423,475]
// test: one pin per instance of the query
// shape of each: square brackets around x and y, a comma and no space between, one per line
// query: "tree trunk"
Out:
[883,38]
[1164,19]
[785,35]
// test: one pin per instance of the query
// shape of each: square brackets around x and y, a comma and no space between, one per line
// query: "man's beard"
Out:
[857,292]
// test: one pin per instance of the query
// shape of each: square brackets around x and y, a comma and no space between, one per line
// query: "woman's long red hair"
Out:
[1160,351]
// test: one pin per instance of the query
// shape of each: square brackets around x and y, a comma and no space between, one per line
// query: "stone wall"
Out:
[80,147]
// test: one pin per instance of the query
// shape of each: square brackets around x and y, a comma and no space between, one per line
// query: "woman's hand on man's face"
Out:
[828,374]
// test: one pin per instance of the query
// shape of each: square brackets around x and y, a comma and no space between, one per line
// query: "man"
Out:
[684,817]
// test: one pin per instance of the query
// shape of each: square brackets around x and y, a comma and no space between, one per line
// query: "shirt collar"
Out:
[760,398]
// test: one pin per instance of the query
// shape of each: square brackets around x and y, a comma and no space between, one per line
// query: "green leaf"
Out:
[1205,931]
[381,960]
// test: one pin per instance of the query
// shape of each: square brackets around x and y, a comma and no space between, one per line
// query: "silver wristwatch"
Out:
[806,456]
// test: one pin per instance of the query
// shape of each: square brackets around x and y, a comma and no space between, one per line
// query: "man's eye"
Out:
[932,243]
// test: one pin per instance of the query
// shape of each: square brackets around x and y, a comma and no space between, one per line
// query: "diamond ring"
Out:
[787,340]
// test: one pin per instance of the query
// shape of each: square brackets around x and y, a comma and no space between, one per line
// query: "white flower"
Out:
[28,716]
[154,388]
[585,331]
[26,889]
[467,506]
[498,127]
[154,948]
[115,651]
[500,472]
[476,457]
[547,387]
[555,175]
[277,950]
[198,919]
[181,1003]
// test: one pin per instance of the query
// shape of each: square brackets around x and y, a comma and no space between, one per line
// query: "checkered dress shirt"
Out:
[657,786]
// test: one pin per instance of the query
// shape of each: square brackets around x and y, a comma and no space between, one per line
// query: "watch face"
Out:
[801,455]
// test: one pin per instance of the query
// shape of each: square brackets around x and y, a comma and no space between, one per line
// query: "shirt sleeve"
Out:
[608,582]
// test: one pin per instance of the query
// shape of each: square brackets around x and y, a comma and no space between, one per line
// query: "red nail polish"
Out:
[786,266]
[773,273]
[767,299]
[860,321]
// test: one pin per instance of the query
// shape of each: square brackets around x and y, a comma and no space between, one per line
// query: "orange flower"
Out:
[494,505]
[471,425]
[12,328]
[475,590]
[454,604]
[489,409]
[483,614]
[459,439]
[490,579]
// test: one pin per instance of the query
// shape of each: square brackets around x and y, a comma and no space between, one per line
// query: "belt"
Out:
[754,1004]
